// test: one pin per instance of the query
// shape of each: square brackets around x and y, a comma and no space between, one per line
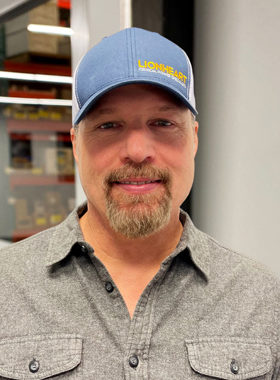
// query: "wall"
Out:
[236,193]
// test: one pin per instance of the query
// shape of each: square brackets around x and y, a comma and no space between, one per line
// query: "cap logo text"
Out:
[160,68]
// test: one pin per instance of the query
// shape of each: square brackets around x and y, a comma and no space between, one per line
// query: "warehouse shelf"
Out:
[41,137]
[37,68]
[37,160]
[40,180]
[37,125]
[31,94]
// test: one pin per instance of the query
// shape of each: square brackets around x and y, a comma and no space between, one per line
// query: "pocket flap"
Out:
[39,356]
[232,358]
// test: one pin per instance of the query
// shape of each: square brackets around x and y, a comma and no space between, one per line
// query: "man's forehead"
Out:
[99,111]
[159,99]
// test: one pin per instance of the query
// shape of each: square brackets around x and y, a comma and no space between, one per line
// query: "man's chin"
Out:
[138,219]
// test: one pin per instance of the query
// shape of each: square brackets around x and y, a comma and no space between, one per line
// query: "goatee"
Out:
[134,215]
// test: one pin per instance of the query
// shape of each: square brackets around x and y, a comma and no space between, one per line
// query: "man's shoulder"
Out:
[35,249]
[228,265]
[27,251]
[223,265]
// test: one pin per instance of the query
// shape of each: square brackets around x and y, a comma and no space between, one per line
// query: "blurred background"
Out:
[235,51]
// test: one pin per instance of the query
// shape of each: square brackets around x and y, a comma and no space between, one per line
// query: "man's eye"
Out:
[162,123]
[108,125]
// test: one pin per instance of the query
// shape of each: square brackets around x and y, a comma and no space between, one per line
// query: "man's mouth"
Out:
[137,180]
[126,182]
[137,185]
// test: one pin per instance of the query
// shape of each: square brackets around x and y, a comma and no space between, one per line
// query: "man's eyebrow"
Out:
[109,110]
[95,112]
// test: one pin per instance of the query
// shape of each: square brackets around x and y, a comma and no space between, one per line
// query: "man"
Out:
[127,287]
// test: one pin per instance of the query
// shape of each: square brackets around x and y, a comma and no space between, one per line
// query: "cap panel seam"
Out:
[188,72]
[133,50]
[129,51]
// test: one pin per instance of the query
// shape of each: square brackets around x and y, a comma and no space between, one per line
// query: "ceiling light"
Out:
[36,77]
[50,29]
[35,101]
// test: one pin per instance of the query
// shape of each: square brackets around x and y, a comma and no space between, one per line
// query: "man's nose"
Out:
[138,146]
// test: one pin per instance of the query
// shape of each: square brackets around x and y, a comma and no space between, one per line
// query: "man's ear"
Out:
[195,128]
[74,142]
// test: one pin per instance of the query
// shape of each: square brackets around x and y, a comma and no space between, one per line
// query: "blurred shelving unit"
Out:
[37,168]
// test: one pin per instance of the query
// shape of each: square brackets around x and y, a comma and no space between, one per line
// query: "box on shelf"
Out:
[64,46]
[23,219]
[40,214]
[28,92]
[55,209]
[46,14]
[59,161]
[19,40]
[21,156]
[24,41]
[65,161]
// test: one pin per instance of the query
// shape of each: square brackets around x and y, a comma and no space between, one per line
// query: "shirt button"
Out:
[109,287]
[34,366]
[83,248]
[234,367]
[133,361]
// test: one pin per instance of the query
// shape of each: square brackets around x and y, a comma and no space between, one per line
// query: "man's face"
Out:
[135,153]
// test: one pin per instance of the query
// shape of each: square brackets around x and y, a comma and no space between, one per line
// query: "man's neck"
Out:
[132,263]
[109,245]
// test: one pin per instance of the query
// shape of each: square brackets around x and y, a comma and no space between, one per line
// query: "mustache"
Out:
[134,171]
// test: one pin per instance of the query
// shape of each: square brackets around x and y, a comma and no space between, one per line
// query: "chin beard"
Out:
[138,216]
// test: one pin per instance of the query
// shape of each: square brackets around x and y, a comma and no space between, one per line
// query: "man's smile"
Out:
[138,185]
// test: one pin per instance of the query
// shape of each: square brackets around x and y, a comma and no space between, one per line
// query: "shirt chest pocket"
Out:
[39,357]
[230,359]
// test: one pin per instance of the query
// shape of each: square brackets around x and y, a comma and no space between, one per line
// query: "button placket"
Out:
[133,361]
[34,366]
[83,248]
[109,287]
[234,367]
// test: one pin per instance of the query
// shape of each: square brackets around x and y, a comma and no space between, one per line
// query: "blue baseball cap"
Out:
[132,55]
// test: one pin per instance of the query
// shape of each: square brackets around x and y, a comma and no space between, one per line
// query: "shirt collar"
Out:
[195,243]
[66,234]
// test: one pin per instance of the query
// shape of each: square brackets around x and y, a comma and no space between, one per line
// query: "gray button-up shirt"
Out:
[208,313]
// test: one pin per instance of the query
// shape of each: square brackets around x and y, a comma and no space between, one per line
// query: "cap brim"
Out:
[93,99]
